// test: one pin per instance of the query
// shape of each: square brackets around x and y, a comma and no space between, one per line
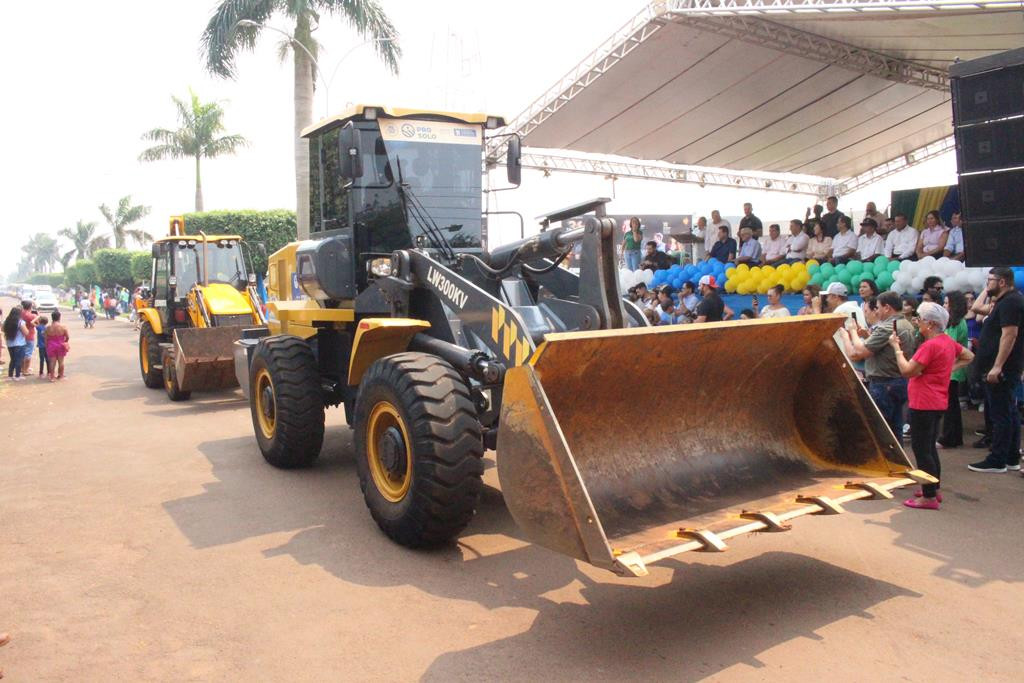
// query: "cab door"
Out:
[160,281]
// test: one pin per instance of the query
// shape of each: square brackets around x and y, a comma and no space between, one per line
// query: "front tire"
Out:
[170,380]
[419,448]
[149,356]
[286,402]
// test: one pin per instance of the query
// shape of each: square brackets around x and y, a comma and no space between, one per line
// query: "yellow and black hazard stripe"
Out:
[515,346]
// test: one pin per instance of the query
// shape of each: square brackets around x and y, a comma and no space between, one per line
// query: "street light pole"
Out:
[345,56]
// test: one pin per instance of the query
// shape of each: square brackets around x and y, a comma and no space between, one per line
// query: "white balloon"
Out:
[648,276]
[917,283]
[928,261]
[958,265]
[902,277]
[909,267]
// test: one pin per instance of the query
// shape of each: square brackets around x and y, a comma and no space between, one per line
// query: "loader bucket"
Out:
[204,357]
[624,447]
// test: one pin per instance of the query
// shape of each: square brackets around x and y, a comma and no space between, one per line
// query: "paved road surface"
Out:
[148,540]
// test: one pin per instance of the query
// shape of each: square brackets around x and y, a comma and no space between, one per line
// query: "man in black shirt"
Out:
[830,219]
[711,309]
[1001,361]
[751,221]
[725,248]
[654,259]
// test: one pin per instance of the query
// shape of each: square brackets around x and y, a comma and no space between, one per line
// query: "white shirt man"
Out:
[798,241]
[955,242]
[716,223]
[901,243]
[844,245]
[869,244]
[775,246]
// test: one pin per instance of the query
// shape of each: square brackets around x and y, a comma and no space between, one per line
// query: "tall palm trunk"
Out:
[199,188]
[303,117]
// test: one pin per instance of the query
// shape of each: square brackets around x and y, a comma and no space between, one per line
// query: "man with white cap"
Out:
[836,299]
[711,309]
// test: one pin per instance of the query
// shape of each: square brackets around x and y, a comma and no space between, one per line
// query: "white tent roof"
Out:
[825,88]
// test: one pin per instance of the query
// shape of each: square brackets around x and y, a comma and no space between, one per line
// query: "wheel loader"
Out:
[201,298]
[439,349]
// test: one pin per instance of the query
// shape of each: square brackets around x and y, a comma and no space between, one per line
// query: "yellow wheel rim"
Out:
[389,452]
[266,403]
[144,354]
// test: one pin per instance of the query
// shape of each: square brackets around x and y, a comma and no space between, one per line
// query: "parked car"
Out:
[45,299]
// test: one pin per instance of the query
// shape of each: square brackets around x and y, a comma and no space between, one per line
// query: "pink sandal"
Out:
[922,503]
[938,494]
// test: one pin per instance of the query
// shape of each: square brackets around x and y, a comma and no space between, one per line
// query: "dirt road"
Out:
[145,540]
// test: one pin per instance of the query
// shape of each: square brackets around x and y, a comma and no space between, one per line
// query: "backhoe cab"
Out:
[202,296]
[439,348]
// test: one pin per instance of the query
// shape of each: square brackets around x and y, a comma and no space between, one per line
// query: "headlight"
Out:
[381,267]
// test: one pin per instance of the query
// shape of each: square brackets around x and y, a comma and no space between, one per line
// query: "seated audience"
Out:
[775,247]
[955,241]
[750,248]
[901,243]
[820,245]
[725,248]
[654,259]
[844,244]
[933,237]
[811,294]
[774,309]
[869,244]
[798,241]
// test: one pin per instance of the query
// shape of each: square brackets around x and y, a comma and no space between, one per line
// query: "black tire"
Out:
[170,380]
[284,378]
[439,419]
[149,357]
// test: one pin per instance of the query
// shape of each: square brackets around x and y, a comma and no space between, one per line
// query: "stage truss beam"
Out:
[896,165]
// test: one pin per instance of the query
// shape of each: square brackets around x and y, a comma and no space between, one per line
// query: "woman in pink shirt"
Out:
[933,237]
[928,389]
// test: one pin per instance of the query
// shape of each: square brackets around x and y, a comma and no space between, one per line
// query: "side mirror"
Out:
[514,160]
[156,251]
[348,147]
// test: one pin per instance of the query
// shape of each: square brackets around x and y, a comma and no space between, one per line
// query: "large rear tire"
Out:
[286,402]
[170,380]
[149,357]
[419,448]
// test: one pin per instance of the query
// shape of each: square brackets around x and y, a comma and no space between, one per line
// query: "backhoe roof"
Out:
[358,112]
[197,238]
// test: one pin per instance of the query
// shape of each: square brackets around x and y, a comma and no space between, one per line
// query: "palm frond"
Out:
[369,20]
[228,144]
[223,38]
[161,152]
[140,236]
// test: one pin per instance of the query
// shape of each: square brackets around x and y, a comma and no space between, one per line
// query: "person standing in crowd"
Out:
[717,222]
[632,242]
[837,300]
[57,346]
[908,306]
[933,237]
[724,249]
[901,243]
[1001,361]
[830,219]
[929,371]
[775,246]
[16,336]
[844,244]
[820,245]
[711,308]
[955,239]
[867,289]
[774,309]
[750,249]
[886,227]
[874,214]
[751,221]
[798,241]
[869,245]
[952,435]
[811,294]
[654,259]
[44,362]
[29,316]
[709,237]
[886,385]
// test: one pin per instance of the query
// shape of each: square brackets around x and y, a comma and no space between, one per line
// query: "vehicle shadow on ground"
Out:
[201,402]
[701,620]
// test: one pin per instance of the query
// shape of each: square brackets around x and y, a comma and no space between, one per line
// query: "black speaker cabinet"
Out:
[988,146]
[994,243]
[998,195]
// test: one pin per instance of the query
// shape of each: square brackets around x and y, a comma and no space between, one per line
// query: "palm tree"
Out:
[84,240]
[224,38]
[197,137]
[125,215]
[41,251]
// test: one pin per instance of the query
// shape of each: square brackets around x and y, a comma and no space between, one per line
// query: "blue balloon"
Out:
[674,268]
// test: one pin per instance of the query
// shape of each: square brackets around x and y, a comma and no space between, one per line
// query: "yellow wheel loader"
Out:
[439,349]
[201,298]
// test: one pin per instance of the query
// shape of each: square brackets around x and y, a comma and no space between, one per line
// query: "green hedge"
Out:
[52,279]
[274,229]
[81,273]
[142,266]
[113,267]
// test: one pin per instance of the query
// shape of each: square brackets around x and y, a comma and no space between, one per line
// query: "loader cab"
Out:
[178,266]
[385,179]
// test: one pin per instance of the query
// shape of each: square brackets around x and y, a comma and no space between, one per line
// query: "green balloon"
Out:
[813,268]
[865,276]
[816,279]
[827,269]
[846,278]
[884,281]
[884,260]
[879,268]
[892,266]
[855,267]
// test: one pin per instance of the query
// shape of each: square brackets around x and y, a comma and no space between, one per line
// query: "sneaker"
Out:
[922,503]
[919,494]
[1014,468]
[986,466]
[980,432]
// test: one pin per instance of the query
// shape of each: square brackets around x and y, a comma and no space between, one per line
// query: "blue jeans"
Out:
[17,354]
[890,395]
[632,258]
[1001,404]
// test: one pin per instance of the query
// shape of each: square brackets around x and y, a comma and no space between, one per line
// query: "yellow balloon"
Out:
[756,270]
[729,272]
[813,262]
[743,267]
[799,267]
[765,286]
[730,286]
[768,269]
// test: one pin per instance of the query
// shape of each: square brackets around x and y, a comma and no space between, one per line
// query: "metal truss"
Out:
[728,7]
[596,64]
[669,173]
[902,163]
[760,31]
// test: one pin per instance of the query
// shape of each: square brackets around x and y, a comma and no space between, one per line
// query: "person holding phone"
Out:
[774,309]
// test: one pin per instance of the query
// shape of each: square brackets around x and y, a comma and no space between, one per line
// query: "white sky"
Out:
[78,97]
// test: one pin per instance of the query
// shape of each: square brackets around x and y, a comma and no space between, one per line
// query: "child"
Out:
[44,360]
[57,346]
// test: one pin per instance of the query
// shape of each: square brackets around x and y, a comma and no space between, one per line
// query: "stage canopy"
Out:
[836,89]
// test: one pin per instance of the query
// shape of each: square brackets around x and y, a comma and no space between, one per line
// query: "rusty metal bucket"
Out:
[624,447]
[204,357]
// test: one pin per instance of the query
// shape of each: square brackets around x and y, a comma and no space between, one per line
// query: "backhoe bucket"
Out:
[624,447]
[204,357]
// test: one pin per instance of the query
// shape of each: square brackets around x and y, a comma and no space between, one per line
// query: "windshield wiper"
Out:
[414,207]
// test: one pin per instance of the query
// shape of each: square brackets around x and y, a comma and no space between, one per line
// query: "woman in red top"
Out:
[928,390]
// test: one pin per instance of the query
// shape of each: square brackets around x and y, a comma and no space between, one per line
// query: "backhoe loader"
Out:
[439,349]
[201,297]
